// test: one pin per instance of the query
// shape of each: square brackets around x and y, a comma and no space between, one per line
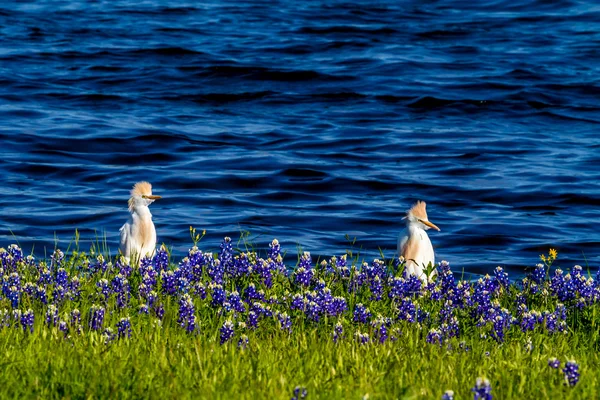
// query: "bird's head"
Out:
[141,195]
[417,215]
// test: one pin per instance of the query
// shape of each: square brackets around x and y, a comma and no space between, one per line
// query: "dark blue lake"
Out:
[306,121]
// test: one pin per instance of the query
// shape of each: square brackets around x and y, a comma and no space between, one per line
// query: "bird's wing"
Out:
[124,246]
[402,240]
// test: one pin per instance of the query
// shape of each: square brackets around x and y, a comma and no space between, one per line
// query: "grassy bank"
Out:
[233,325]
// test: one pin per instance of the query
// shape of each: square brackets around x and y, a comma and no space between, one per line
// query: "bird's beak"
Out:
[431,225]
[152,197]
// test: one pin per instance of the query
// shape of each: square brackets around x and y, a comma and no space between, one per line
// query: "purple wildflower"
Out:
[448,395]
[96,317]
[571,371]
[52,315]
[27,320]
[482,389]
[226,331]
[124,328]
[361,314]
[299,393]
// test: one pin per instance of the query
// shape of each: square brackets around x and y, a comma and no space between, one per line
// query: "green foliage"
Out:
[163,360]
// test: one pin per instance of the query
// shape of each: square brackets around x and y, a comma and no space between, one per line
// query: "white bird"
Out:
[414,244]
[138,235]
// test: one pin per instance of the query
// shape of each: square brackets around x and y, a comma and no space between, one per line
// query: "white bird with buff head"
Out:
[138,235]
[414,244]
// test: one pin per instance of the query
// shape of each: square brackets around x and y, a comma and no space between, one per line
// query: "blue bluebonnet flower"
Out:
[124,328]
[528,321]
[436,293]
[571,371]
[338,332]
[64,328]
[297,302]
[252,319]
[100,266]
[226,331]
[251,294]
[74,289]
[149,277]
[215,270]
[108,335]
[357,280]
[381,325]
[103,288]
[45,275]
[236,301]
[413,286]
[241,265]
[276,258]
[450,329]
[226,257]
[285,322]
[75,317]
[554,362]
[397,288]
[446,277]
[243,342]
[501,277]
[362,338]
[304,273]
[482,389]
[62,277]
[338,306]
[57,259]
[96,317]
[539,274]
[218,294]
[313,311]
[361,314]
[58,294]
[502,320]
[182,282]
[120,286]
[30,289]
[447,311]
[52,315]
[376,288]
[551,321]
[27,320]
[407,310]
[434,336]
[159,311]
[199,290]
[12,288]
[560,312]
[187,319]
[144,309]
[123,267]
[299,393]
[161,259]
[169,283]
[448,395]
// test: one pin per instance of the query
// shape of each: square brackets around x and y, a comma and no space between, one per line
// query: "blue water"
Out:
[306,121]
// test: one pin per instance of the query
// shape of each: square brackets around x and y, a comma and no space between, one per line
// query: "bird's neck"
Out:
[415,230]
[142,212]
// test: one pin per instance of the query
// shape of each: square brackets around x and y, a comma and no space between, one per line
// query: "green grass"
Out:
[167,363]
[162,360]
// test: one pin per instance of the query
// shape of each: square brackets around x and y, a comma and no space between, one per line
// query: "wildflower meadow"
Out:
[246,323]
